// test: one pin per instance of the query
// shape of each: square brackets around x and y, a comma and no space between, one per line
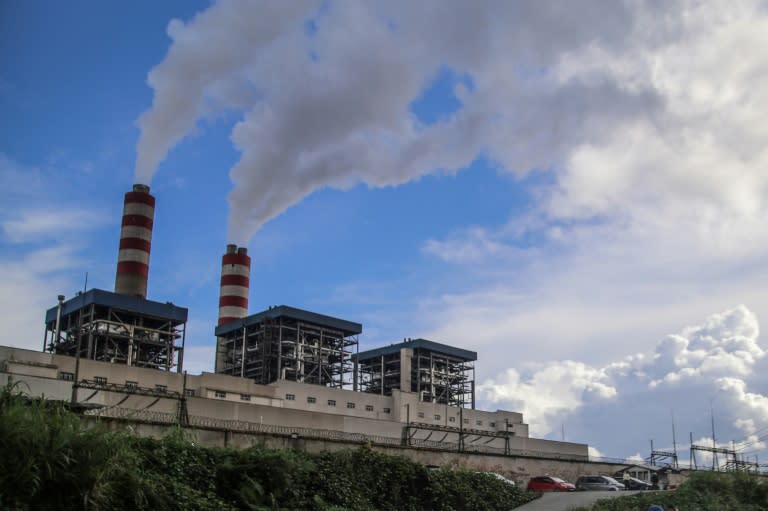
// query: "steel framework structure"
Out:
[436,372]
[733,462]
[109,327]
[285,343]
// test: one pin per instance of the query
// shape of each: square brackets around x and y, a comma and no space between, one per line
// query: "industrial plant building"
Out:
[120,354]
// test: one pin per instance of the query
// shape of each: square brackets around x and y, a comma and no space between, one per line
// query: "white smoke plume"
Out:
[325,89]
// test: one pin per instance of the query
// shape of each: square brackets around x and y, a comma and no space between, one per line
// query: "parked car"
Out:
[604,483]
[634,483]
[547,483]
[499,477]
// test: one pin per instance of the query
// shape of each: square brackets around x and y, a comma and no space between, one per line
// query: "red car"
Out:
[547,483]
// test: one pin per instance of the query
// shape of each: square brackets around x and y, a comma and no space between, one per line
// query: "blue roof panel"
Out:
[346,327]
[159,310]
[425,344]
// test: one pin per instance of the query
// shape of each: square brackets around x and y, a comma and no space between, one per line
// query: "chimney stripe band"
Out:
[234,291]
[137,220]
[235,280]
[138,256]
[236,269]
[231,312]
[133,231]
[135,243]
[138,208]
[133,267]
[241,259]
[233,301]
[145,198]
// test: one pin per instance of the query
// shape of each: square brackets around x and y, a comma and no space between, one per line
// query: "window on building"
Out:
[466,421]
[99,380]
[189,392]
[437,417]
[220,393]
[421,415]
[451,419]
[492,424]
[245,397]
[479,422]
[350,405]
[311,400]
[386,410]
[131,384]
[368,408]
[67,376]
[331,402]
[290,397]
[161,388]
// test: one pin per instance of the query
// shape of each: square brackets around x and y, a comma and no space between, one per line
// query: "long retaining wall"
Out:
[237,434]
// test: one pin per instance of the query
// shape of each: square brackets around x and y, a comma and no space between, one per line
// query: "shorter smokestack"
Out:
[135,242]
[235,283]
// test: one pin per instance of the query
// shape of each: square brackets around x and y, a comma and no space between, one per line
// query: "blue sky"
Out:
[579,195]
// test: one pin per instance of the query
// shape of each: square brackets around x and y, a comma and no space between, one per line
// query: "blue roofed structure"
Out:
[438,373]
[121,329]
[286,343]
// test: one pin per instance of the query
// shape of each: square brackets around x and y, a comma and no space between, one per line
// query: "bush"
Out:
[52,460]
[703,491]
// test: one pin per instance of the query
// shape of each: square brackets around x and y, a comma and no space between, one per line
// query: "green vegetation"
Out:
[51,460]
[704,491]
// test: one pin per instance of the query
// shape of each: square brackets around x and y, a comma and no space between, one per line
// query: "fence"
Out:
[169,418]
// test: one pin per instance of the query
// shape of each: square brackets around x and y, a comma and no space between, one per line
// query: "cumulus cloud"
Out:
[689,378]
[726,344]
[548,392]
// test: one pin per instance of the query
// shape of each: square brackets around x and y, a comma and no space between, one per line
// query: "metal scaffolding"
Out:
[436,372]
[109,327]
[733,461]
[285,343]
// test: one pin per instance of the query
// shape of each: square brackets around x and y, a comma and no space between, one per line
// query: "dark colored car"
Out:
[634,483]
[547,483]
[604,483]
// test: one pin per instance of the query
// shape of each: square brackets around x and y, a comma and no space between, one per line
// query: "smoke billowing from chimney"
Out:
[235,283]
[327,91]
[135,242]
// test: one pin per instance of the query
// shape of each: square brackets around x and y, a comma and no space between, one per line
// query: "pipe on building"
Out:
[135,242]
[57,335]
[235,284]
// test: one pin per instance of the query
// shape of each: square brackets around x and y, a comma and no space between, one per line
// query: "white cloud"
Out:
[44,224]
[550,391]
[41,252]
[753,404]
[725,345]
[474,245]
[633,397]
[28,288]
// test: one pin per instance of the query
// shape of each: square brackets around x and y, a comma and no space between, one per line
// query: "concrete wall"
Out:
[285,403]
[516,468]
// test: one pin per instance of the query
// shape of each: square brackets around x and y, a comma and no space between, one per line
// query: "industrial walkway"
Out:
[569,500]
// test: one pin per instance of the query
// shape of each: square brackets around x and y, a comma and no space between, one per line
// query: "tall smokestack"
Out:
[235,281]
[135,242]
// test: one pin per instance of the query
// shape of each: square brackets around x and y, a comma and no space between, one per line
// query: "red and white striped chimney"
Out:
[235,281]
[135,242]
